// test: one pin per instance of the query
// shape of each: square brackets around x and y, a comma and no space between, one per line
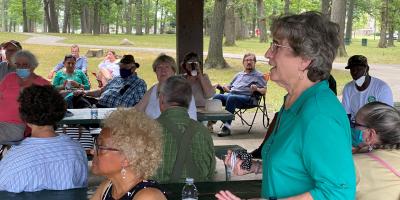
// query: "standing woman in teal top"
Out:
[308,155]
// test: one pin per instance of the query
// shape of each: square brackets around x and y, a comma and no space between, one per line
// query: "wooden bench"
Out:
[95,53]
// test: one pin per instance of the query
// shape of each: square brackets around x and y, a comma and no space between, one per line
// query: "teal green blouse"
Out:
[78,76]
[310,149]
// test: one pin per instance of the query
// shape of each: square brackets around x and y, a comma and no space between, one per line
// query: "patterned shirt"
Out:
[120,92]
[54,163]
[77,76]
[202,147]
[81,64]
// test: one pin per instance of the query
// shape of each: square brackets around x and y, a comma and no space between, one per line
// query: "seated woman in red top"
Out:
[11,126]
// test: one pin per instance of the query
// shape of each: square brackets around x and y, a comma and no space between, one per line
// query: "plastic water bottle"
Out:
[189,191]
[93,112]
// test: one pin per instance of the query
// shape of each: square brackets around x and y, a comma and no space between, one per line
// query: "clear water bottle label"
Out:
[93,113]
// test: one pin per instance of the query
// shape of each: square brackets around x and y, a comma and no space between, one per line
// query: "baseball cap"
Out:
[12,42]
[128,59]
[357,60]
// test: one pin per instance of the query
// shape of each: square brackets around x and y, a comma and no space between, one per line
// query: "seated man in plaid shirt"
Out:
[125,90]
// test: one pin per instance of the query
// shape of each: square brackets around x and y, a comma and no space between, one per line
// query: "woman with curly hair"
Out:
[128,152]
[45,160]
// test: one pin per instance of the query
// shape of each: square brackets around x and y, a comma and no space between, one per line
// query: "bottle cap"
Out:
[189,180]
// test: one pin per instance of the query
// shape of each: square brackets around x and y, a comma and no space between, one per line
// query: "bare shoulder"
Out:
[100,190]
[149,194]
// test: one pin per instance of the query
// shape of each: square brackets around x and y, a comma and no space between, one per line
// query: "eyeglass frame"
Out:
[354,124]
[97,147]
[274,46]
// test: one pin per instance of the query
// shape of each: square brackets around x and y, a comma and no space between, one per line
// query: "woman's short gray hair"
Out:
[177,91]
[138,137]
[32,61]
[311,35]
[384,119]
[163,58]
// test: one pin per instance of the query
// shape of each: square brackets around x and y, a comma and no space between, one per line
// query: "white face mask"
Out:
[360,81]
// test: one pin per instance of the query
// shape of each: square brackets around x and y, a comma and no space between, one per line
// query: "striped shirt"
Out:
[55,163]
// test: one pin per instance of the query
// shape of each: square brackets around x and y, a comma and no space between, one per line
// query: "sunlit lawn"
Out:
[49,56]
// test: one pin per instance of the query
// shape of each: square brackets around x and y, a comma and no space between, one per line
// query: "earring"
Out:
[370,148]
[123,173]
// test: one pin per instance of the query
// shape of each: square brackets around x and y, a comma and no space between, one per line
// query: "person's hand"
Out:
[51,74]
[75,84]
[236,170]
[79,92]
[226,195]
[253,88]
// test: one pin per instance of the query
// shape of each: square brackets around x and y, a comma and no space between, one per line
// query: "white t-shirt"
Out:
[153,107]
[377,90]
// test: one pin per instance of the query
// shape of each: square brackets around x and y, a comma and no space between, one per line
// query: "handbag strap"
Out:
[384,163]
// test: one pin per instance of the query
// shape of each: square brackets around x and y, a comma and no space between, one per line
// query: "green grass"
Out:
[5,36]
[374,54]
[49,56]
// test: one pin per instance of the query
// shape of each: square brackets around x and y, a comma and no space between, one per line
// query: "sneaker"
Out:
[225,131]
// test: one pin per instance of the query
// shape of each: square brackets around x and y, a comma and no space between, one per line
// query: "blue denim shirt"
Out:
[81,64]
[242,81]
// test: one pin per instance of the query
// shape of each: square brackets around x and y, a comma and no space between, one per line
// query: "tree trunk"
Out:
[339,16]
[96,17]
[326,7]
[24,16]
[287,7]
[4,16]
[215,56]
[241,28]
[162,22]
[66,15]
[155,18]
[349,26]
[382,40]
[85,19]
[262,21]
[129,18]
[53,26]
[138,13]
[390,18]
[230,24]
[147,16]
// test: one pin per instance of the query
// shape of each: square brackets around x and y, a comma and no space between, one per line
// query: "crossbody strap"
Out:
[384,163]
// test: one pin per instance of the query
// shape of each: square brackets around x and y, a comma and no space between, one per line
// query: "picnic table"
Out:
[244,189]
[83,116]
[223,115]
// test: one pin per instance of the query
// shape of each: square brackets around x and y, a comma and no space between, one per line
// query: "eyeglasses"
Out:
[354,124]
[98,147]
[249,60]
[275,46]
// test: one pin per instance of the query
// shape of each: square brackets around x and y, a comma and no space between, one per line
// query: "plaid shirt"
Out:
[121,92]
[202,147]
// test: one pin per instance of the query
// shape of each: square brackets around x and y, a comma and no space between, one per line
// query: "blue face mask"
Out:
[357,137]
[23,73]
[124,73]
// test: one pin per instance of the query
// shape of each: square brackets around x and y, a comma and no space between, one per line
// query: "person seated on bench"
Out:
[188,146]
[108,68]
[46,160]
[240,90]
[128,152]
[201,84]
[125,90]
[81,62]
[70,79]
[12,127]
[164,66]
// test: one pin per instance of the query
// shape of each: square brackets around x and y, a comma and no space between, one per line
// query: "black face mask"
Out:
[124,73]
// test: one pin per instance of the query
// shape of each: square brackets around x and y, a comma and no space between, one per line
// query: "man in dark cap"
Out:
[364,88]
[8,49]
[125,90]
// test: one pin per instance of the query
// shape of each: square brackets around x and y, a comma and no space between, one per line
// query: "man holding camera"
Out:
[239,92]
[8,49]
